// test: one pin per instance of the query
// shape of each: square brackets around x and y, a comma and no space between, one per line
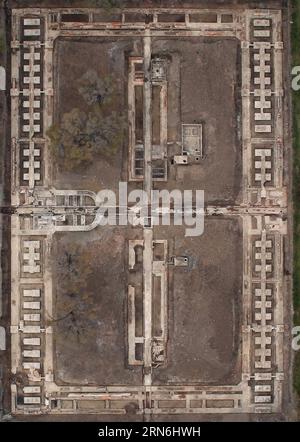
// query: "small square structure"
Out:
[192,139]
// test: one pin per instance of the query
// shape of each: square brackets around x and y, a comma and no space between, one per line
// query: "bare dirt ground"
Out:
[106,57]
[90,269]
[90,290]
[90,279]
[204,305]
[196,97]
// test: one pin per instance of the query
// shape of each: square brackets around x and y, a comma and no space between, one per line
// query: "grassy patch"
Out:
[296,187]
